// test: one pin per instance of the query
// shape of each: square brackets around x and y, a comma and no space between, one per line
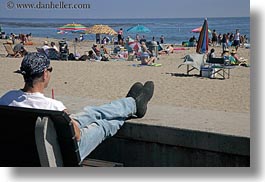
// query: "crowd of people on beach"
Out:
[137,48]
[230,57]
[121,48]
[225,40]
[229,39]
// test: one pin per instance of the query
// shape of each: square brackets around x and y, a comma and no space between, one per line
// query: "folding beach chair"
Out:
[63,49]
[53,54]
[193,62]
[10,51]
[219,67]
[41,50]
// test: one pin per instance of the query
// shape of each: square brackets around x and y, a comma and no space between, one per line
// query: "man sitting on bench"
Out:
[93,124]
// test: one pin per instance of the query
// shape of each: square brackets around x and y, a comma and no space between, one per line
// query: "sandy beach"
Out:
[111,80]
[181,101]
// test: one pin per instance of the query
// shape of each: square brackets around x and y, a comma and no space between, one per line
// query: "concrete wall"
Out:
[140,145]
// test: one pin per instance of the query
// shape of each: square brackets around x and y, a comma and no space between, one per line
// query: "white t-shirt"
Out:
[45,47]
[36,100]
[55,48]
[237,36]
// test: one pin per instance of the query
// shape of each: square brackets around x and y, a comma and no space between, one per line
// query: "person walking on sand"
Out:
[224,42]
[162,39]
[214,38]
[120,36]
[236,42]
[93,124]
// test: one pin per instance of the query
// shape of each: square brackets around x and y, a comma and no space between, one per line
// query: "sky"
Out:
[126,9]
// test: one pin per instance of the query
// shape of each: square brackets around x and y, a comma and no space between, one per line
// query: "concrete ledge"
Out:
[147,146]
[176,136]
[186,138]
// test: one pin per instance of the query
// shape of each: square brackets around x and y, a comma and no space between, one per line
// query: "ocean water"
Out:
[175,30]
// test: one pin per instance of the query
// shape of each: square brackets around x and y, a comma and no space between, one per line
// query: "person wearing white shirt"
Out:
[95,123]
[54,46]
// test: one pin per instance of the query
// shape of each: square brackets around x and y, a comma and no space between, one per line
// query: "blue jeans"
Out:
[99,122]
[224,46]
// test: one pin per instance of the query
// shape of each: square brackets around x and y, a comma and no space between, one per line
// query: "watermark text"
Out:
[49,5]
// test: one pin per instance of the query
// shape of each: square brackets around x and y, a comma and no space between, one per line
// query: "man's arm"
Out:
[76,128]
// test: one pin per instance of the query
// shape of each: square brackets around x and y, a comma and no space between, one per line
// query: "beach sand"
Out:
[78,81]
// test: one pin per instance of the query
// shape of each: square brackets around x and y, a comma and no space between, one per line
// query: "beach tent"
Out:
[138,29]
[203,41]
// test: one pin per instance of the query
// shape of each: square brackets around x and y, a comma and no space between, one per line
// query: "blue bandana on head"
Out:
[34,63]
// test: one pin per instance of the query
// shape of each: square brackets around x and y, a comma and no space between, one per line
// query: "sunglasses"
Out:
[49,69]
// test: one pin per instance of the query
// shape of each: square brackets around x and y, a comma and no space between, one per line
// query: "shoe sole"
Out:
[135,90]
[149,89]
[147,94]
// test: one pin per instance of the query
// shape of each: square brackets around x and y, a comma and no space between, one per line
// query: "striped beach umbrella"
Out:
[73,27]
[203,41]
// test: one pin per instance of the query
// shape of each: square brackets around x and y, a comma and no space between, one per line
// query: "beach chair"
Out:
[218,67]
[41,50]
[10,51]
[36,137]
[193,62]
[63,49]
[53,54]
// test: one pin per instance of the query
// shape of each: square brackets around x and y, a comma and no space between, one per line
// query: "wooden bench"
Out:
[36,137]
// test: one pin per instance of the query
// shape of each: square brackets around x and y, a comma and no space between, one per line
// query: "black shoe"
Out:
[143,98]
[135,90]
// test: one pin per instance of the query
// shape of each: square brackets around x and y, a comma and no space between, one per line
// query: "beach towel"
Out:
[117,59]
[180,49]
[195,60]
[28,43]
[155,64]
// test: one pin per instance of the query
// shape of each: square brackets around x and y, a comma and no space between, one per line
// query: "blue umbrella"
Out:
[139,29]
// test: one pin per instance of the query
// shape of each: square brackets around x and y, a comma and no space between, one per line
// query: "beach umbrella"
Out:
[73,27]
[202,44]
[138,29]
[135,45]
[101,29]
[199,29]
